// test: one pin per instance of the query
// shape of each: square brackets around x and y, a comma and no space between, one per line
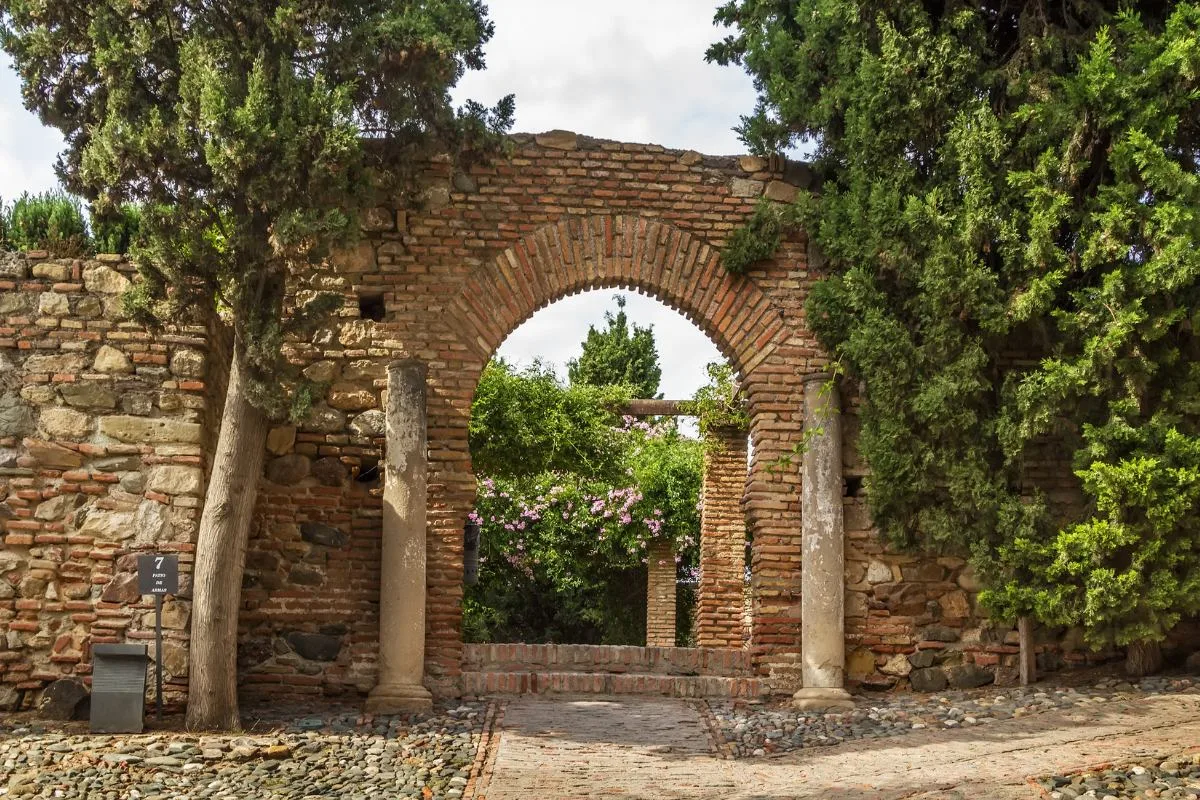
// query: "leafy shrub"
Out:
[50,221]
[113,231]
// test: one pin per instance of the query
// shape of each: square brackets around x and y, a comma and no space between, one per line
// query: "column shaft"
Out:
[402,566]
[823,644]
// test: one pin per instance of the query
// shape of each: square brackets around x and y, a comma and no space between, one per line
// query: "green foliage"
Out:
[116,230]
[570,496]
[719,403]
[619,356]
[527,423]
[51,221]
[1010,207]
[759,238]
[252,134]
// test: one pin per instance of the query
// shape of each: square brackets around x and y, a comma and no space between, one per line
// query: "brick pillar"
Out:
[401,686]
[720,600]
[660,594]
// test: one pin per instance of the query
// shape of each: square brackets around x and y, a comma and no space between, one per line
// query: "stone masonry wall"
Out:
[101,458]
[720,599]
[660,595]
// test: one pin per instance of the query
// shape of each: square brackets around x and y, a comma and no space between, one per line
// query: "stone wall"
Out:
[720,598]
[660,595]
[101,458]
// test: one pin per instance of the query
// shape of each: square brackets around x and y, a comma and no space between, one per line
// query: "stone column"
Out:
[402,567]
[660,594]
[823,635]
[720,597]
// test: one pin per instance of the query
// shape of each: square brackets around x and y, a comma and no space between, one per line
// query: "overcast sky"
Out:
[632,70]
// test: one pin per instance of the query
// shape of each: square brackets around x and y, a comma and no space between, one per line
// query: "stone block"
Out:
[149,430]
[744,187]
[323,419]
[322,534]
[54,508]
[922,659]
[329,471]
[187,363]
[931,679]
[939,633]
[369,423]
[315,646]
[63,363]
[357,334]
[363,371]
[64,700]
[111,361]
[53,304]
[860,663]
[924,571]
[356,259]
[351,397]
[955,604]
[16,418]
[752,163]
[52,272]
[557,140]
[321,371]
[176,479]
[88,394]
[780,192]
[379,219]
[104,280]
[305,575]
[281,439]
[897,665]
[289,469]
[17,303]
[52,456]
[968,676]
[878,572]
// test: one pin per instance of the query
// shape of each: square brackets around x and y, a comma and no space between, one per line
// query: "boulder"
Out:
[969,676]
[187,363]
[104,280]
[369,423]
[315,646]
[63,700]
[931,679]
[897,665]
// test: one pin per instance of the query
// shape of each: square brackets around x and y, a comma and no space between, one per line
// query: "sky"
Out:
[631,70]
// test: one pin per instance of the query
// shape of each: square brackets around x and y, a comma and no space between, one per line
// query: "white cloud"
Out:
[631,70]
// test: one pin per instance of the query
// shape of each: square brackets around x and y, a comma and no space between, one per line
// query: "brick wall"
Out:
[101,458]
[660,595]
[720,598]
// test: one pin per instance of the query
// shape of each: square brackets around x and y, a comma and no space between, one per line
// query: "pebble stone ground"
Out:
[283,754]
[1174,776]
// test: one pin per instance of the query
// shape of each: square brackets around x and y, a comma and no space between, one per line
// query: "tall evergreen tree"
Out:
[618,355]
[241,127]
[1010,210]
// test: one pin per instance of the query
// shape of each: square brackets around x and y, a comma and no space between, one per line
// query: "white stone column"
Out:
[402,567]
[823,634]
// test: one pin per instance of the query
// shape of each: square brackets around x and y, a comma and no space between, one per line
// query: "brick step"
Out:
[486,683]
[607,659]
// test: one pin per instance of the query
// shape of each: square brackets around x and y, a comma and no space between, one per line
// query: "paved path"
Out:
[560,749]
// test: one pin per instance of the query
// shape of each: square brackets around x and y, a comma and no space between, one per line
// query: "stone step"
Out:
[607,659]
[487,683]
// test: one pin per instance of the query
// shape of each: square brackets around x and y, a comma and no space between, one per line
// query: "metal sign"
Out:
[158,574]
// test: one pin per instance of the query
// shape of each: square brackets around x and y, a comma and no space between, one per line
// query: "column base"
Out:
[399,698]
[822,699]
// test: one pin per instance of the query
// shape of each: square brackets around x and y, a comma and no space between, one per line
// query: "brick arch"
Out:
[579,254]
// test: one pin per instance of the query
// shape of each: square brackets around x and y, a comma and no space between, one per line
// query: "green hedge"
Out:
[56,222]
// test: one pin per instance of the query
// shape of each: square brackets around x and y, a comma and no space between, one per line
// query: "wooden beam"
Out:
[656,408]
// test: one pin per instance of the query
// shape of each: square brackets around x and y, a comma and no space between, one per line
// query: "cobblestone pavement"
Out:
[663,748]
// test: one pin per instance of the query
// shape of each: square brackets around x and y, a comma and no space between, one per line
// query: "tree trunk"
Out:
[221,557]
[1143,658]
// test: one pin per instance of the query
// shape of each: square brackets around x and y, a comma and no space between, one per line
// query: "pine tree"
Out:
[618,355]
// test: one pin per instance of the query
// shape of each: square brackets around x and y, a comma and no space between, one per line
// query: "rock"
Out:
[329,471]
[690,158]
[176,479]
[968,581]
[52,456]
[111,361]
[939,633]
[64,423]
[63,364]
[922,659]
[52,272]
[289,469]
[64,700]
[38,394]
[928,571]
[17,303]
[860,663]
[16,418]
[306,575]
[315,646]
[54,508]
[321,371]
[931,679]
[123,589]
[969,676]
[152,525]
[379,219]
[752,163]
[1193,663]
[744,187]
[369,423]
[780,192]
[955,605]
[108,525]
[465,183]
[104,280]
[187,363]
[359,258]
[351,397]
[322,534]
[281,439]
[147,430]
[357,334]
[323,419]
[897,665]
[53,304]
[175,615]
[878,572]
[557,140]
[363,370]
[88,394]
[88,306]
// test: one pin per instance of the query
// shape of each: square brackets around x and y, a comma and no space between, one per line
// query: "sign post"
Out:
[158,574]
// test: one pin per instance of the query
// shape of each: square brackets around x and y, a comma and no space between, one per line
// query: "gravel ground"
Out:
[758,729]
[306,754]
[1175,776]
